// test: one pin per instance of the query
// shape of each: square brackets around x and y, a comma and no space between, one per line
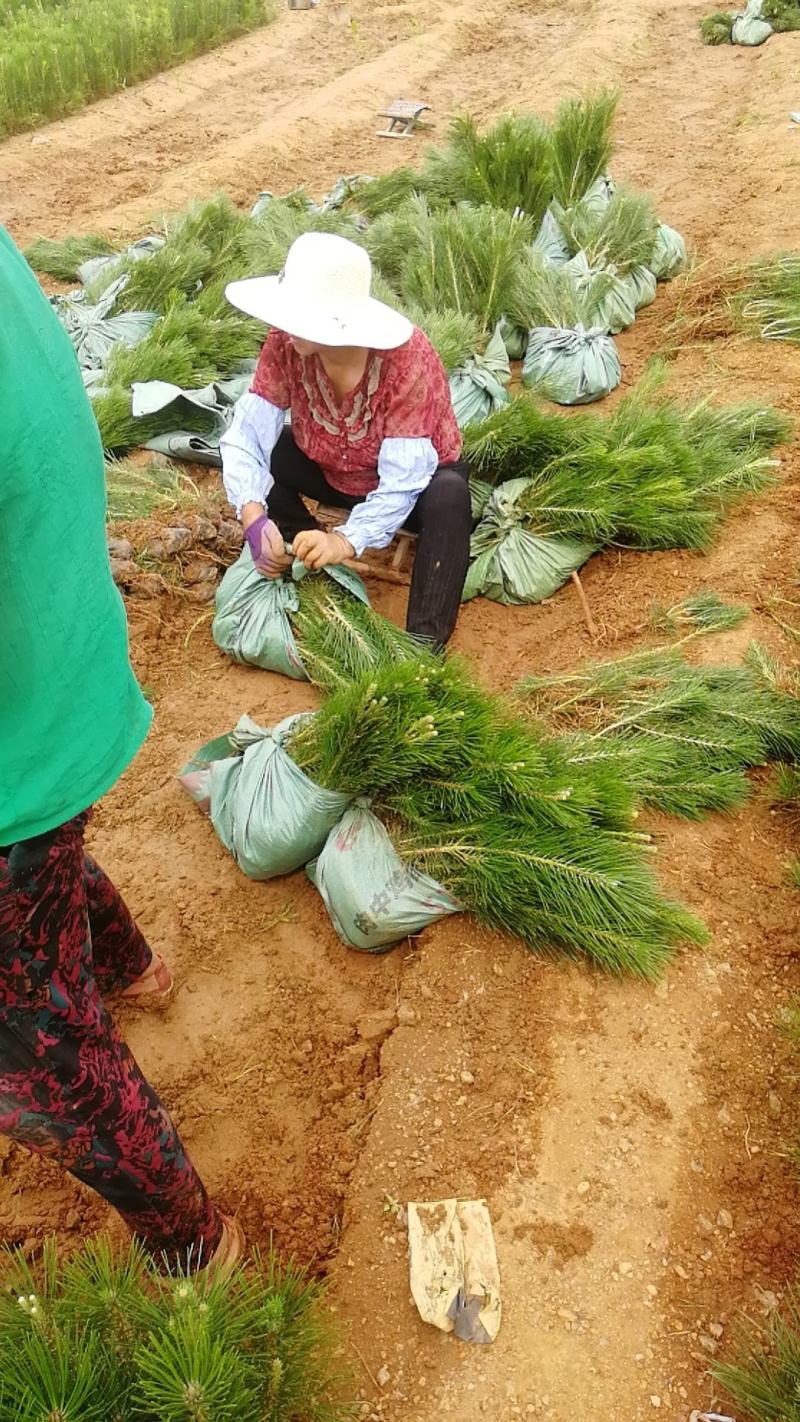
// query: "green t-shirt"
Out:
[71,713]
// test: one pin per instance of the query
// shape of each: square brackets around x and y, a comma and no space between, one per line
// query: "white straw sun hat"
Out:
[323,295]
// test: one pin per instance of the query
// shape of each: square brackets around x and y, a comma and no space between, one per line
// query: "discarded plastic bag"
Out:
[267,812]
[477,387]
[669,253]
[455,1278]
[94,332]
[374,899]
[252,622]
[571,367]
[615,310]
[512,565]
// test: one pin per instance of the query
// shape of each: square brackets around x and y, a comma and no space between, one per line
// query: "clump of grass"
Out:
[61,259]
[764,1381]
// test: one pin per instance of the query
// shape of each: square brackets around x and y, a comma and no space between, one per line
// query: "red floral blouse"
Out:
[403,394]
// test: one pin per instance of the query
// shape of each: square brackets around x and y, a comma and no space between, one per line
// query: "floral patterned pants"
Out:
[69,1086]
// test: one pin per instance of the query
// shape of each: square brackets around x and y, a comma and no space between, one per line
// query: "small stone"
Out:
[774,1104]
[625,1146]
[724,1116]
[625,1269]
[72,1220]
[426,992]
[655,1400]
[584,1187]
[567,1315]
[374,1026]
[467,1078]
[708,1343]
[652,1291]
[681,1272]
[383,1376]
[716,1330]
[725,1219]
[406,1014]
[705,1225]
[497,969]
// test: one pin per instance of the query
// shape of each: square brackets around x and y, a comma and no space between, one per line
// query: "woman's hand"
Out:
[267,546]
[317,549]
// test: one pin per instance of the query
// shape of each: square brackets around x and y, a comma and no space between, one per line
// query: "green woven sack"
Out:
[571,367]
[374,899]
[512,565]
[669,253]
[264,808]
[253,617]
[477,388]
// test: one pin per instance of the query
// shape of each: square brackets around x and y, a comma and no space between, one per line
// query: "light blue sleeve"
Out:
[246,449]
[405,469]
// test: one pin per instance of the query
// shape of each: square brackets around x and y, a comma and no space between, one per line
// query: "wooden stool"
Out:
[331,518]
[405,117]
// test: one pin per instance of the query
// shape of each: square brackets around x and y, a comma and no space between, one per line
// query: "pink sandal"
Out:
[154,985]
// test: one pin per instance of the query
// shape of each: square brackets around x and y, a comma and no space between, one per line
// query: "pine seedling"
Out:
[769,303]
[152,281]
[462,259]
[341,639]
[717,28]
[119,430]
[386,193]
[581,144]
[621,236]
[61,259]
[544,295]
[454,335]
[186,1374]
[266,241]
[508,166]
[57,1376]
[783,15]
[783,790]
[697,615]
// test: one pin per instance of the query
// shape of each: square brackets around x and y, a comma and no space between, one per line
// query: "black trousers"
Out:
[441,517]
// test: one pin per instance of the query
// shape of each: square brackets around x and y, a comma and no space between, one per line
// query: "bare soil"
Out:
[633,1143]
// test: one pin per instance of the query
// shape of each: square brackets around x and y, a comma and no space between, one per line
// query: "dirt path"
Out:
[309,1109]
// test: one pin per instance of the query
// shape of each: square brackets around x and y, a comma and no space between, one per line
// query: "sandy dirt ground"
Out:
[633,1143]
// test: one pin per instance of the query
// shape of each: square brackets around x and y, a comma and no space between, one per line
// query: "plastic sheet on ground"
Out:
[510,564]
[455,1278]
[669,253]
[615,310]
[150,397]
[94,332]
[253,614]
[93,267]
[266,811]
[571,367]
[477,388]
[374,898]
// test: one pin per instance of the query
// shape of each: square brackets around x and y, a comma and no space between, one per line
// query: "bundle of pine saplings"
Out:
[316,627]
[412,794]
[109,1333]
[681,736]
[472,242]
[753,25]
[654,474]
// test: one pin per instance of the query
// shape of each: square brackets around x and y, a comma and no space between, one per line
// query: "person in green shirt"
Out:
[72,718]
